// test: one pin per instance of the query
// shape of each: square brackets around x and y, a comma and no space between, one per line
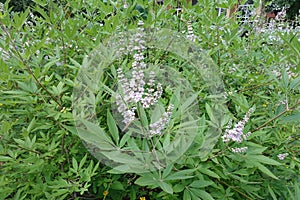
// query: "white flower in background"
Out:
[276,72]
[125,5]
[191,35]
[282,156]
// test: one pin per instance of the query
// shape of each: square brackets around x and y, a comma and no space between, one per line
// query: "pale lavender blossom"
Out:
[282,156]
[127,114]
[134,89]
[236,134]
[137,43]
[58,64]
[157,127]
[151,96]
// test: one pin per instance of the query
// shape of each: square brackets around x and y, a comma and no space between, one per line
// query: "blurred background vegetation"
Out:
[293,6]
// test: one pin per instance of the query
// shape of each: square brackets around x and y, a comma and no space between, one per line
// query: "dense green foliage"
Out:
[42,156]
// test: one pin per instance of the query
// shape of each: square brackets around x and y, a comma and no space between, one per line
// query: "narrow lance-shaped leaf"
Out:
[265,170]
[113,129]
[166,187]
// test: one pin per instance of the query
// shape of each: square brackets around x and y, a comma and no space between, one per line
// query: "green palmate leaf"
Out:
[210,112]
[28,86]
[147,180]
[43,14]
[142,115]
[41,2]
[157,112]
[262,159]
[200,184]
[20,19]
[174,100]
[191,124]
[124,139]
[241,179]
[181,175]
[47,66]
[166,142]
[208,172]
[256,149]
[93,134]
[117,185]
[133,145]
[272,193]
[192,100]
[201,194]
[31,125]
[292,45]
[74,62]
[5,158]
[178,188]
[167,171]
[210,140]
[83,160]
[74,164]
[166,187]
[121,169]
[295,84]
[211,135]
[241,101]
[113,129]
[186,195]
[123,157]
[285,79]
[265,170]
[292,118]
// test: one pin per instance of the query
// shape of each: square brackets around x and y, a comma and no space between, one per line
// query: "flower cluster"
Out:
[282,156]
[191,35]
[151,96]
[157,127]
[135,89]
[137,43]
[236,133]
[128,114]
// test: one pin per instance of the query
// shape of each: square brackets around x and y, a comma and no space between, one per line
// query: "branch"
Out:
[276,117]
